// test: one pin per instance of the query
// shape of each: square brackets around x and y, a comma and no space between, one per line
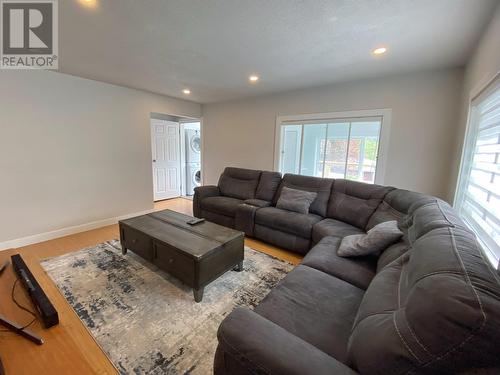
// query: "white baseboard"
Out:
[41,237]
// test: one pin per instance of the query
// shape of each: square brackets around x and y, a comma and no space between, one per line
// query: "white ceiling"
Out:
[212,46]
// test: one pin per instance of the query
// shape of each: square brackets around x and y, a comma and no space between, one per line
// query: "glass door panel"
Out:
[363,151]
[290,148]
[313,150]
[336,150]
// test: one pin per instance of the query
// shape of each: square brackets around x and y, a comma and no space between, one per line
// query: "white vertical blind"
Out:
[478,198]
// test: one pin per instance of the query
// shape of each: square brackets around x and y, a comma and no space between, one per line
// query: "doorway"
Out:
[176,147]
[192,156]
[165,142]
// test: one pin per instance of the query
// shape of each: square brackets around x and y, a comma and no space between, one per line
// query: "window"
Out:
[333,145]
[478,190]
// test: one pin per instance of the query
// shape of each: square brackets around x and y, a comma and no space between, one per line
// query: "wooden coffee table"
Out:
[196,255]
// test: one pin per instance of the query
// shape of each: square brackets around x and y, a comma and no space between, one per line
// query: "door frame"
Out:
[153,122]
[181,119]
[384,139]
[183,152]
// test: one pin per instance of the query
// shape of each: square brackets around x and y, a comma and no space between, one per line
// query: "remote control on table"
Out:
[195,221]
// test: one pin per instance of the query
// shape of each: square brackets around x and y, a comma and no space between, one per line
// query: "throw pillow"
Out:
[295,200]
[379,238]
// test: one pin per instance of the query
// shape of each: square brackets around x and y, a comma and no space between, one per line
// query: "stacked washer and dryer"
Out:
[193,156]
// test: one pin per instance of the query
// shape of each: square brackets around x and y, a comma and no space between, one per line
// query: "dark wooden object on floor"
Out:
[196,255]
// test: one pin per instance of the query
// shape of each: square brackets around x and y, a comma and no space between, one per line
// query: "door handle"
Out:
[154,160]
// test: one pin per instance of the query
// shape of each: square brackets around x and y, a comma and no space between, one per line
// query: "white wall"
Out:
[424,114]
[73,150]
[482,67]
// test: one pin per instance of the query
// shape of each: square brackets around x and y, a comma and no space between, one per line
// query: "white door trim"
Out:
[184,175]
[182,140]
[168,166]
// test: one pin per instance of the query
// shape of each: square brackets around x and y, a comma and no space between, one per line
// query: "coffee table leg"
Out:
[238,267]
[124,250]
[198,294]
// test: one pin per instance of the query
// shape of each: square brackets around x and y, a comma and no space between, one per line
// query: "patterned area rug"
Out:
[146,321]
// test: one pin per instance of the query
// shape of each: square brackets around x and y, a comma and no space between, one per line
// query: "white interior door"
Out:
[165,146]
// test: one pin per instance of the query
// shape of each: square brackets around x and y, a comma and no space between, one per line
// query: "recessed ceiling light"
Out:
[186,91]
[253,78]
[379,51]
[89,3]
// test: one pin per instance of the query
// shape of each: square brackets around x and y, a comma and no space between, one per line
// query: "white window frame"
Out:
[468,145]
[385,130]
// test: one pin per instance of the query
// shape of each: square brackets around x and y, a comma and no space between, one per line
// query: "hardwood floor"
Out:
[68,347]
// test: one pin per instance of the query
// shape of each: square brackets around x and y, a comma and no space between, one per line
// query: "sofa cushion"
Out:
[288,241]
[295,200]
[314,306]
[268,184]
[392,253]
[221,205]
[401,200]
[436,309]
[396,205]
[354,202]
[384,212]
[331,227]
[257,202]
[239,183]
[322,186]
[431,215]
[356,271]
[287,221]
[377,239]
[248,342]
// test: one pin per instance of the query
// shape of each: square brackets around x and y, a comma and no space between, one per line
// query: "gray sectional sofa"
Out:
[429,304]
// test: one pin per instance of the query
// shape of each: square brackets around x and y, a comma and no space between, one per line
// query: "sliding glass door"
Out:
[312,158]
[336,150]
[291,141]
[346,148]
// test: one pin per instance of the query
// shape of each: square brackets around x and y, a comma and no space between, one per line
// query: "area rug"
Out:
[147,321]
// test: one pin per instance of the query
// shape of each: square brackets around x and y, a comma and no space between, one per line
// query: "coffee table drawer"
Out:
[170,260]
[136,241]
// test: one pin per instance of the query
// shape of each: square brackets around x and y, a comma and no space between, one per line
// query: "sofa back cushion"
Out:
[395,206]
[401,200]
[268,184]
[321,186]
[433,214]
[296,200]
[435,309]
[392,253]
[354,202]
[239,183]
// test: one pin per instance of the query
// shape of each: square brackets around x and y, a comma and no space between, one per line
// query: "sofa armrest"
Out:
[262,346]
[244,218]
[200,193]
[206,191]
